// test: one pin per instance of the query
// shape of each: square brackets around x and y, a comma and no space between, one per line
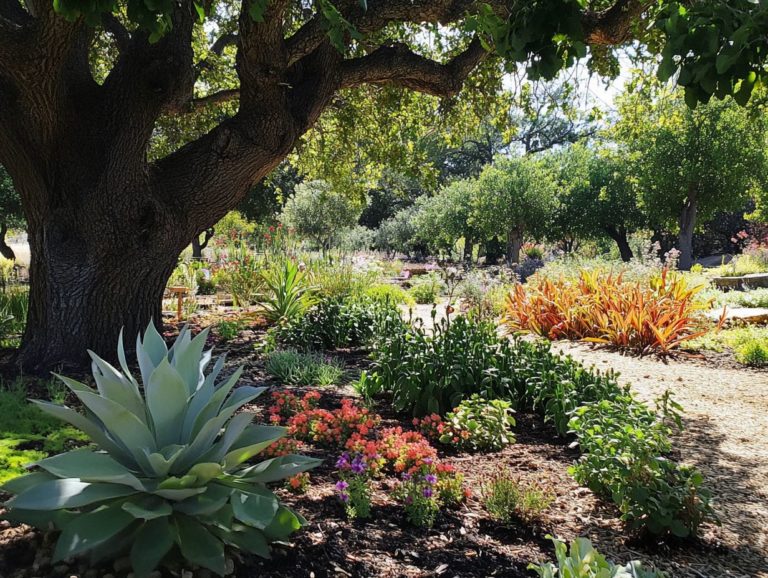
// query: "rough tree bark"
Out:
[514,245]
[105,225]
[619,235]
[687,226]
[5,250]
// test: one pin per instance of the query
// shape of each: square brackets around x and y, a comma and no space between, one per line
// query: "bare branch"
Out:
[399,66]
[213,98]
[227,39]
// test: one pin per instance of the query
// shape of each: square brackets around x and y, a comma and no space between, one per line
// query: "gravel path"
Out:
[725,436]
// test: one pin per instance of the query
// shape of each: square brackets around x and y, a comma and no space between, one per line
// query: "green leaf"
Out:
[90,466]
[115,386]
[257,507]
[152,542]
[206,504]
[283,524]
[251,443]
[199,546]
[276,469]
[22,483]
[247,539]
[69,493]
[148,508]
[89,530]
[167,396]
[187,361]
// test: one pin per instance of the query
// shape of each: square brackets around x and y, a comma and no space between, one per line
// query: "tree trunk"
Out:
[619,235]
[685,238]
[197,249]
[83,291]
[514,245]
[468,249]
[5,249]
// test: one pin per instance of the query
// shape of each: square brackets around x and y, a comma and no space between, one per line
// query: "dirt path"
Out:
[726,437]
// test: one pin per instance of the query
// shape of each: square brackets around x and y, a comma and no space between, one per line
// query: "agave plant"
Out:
[288,294]
[169,476]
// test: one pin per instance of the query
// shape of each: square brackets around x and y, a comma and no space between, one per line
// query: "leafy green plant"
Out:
[505,499]
[479,424]
[753,353]
[335,323]
[171,472]
[299,368]
[228,329]
[426,288]
[288,295]
[623,444]
[241,276]
[583,561]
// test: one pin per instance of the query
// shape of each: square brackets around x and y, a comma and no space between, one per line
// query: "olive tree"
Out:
[86,86]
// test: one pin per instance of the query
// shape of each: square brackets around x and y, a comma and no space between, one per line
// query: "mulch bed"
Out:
[464,542]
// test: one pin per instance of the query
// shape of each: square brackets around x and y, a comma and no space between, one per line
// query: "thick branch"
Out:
[399,66]
[213,98]
[227,39]
[613,25]
[119,32]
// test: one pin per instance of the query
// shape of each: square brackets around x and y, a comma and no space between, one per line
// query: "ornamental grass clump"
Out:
[643,316]
[168,480]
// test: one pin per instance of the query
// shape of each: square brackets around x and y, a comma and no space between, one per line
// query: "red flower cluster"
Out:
[431,426]
[286,405]
[407,450]
[282,447]
[332,428]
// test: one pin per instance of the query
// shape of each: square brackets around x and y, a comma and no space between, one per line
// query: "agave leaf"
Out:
[187,362]
[147,508]
[200,399]
[279,468]
[152,542]
[201,444]
[256,507]
[122,359]
[121,423]
[213,407]
[254,440]
[247,539]
[285,523]
[73,384]
[232,433]
[167,396]
[67,493]
[92,430]
[115,386]
[89,530]
[180,343]
[212,500]
[177,495]
[199,546]
[90,466]
[21,483]
[204,472]
[43,519]
[150,352]
[243,395]
[161,462]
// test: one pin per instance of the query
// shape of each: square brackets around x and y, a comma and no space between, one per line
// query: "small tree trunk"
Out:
[468,249]
[685,238]
[197,249]
[619,235]
[5,249]
[514,245]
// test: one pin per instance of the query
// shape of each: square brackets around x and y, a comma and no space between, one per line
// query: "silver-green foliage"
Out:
[583,561]
[169,473]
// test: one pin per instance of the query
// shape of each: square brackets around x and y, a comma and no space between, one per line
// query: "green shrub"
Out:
[480,425]
[583,561]
[426,288]
[622,443]
[228,329]
[335,323]
[389,293]
[505,499]
[753,353]
[172,473]
[299,368]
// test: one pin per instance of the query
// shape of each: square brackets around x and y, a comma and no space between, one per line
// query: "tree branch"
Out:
[213,98]
[399,66]
[12,15]
[613,25]
[119,32]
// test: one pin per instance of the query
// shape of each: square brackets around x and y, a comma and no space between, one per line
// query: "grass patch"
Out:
[27,434]
[307,369]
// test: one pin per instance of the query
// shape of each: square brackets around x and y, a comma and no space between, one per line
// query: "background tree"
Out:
[515,199]
[690,163]
[85,88]
[597,197]
[11,215]
[319,213]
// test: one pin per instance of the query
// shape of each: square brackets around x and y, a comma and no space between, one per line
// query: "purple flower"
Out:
[427,492]
[430,478]
[427,461]
[344,497]
[341,485]
[358,465]
[406,476]
[342,462]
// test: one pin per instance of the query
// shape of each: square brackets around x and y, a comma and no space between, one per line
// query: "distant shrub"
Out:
[389,293]
[426,288]
[753,353]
